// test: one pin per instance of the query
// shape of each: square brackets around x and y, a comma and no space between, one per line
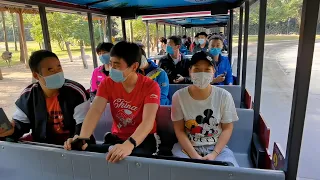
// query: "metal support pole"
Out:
[239,45]
[230,36]
[157,35]
[93,46]
[259,66]
[185,31]
[164,31]
[131,32]
[45,29]
[148,39]
[170,30]
[124,34]
[175,30]
[310,10]
[109,29]
[245,50]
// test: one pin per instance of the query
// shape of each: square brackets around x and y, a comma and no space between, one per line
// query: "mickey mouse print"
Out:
[204,129]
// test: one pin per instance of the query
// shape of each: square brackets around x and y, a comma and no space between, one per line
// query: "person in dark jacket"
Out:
[223,73]
[203,43]
[175,64]
[53,108]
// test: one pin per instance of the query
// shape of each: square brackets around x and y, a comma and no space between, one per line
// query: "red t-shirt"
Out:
[127,108]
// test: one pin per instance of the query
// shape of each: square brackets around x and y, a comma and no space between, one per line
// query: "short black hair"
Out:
[38,56]
[129,52]
[216,37]
[184,36]
[163,40]
[104,47]
[176,40]
[203,34]
[197,35]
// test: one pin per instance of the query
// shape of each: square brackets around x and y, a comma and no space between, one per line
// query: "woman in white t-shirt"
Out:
[203,115]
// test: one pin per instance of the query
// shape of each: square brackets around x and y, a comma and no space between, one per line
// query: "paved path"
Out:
[277,89]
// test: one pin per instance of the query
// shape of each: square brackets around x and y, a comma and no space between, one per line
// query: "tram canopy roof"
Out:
[133,8]
[189,19]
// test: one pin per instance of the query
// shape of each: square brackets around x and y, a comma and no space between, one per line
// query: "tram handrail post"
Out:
[259,65]
[148,38]
[157,35]
[230,36]
[45,29]
[239,45]
[93,46]
[310,11]
[245,49]
[124,33]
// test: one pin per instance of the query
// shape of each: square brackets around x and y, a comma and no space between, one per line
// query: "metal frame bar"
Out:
[245,50]
[170,30]
[45,29]
[164,31]
[239,45]
[310,11]
[124,33]
[230,36]
[109,21]
[259,65]
[148,39]
[157,35]
[93,46]
[175,30]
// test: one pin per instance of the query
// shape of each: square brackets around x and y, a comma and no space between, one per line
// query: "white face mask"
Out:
[201,79]
[144,62]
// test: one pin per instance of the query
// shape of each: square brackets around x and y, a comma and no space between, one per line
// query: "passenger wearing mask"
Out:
[195,42]
[53,108]
[223,73]
[175,64]
[100,73]
[134,101]
[203,43]
[151,70]
[162,46]
[203,115]
[185,45]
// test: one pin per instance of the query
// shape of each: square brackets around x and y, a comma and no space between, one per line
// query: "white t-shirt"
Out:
[203,118]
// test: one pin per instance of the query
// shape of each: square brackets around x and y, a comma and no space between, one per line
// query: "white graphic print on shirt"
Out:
[203,118]
[125,112]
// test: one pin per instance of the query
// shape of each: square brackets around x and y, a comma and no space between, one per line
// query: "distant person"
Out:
[195,42]
[222,35]
[203,43]
[184,47]
[52,108]
[186,41]
[99,73]
[162,46]
[174,63]
[151,70]
[203,116]
[134,100]
[223,73]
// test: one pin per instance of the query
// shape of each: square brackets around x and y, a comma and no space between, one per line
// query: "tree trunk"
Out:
[1,77]
[69,51]
[23,44]
[83,56]
[14,33]
[4,31]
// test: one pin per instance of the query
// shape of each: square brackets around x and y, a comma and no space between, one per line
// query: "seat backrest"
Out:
[104,125]
[234,90]
[54,163]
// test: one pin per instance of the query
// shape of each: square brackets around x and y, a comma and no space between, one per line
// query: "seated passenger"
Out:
[223,73]
[195,42]
[175,64]
[134,101]
[203,115]
[203,43]
[150,69]
[99,73]
[162,46]
[53,108]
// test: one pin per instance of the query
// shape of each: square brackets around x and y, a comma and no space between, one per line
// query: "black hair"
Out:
[143,52]
[104,47]
[163,40]
[184,36]
[176,40]
[129,52]
[38,56]
[203,34]
[216,37]
[197,35]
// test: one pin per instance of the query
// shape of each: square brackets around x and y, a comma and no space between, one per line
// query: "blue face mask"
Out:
[117,75]
[201,41]
[170,50]
[55,81]
[215,51]
[105,58]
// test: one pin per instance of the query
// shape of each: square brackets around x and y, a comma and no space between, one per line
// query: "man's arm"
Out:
[163,82]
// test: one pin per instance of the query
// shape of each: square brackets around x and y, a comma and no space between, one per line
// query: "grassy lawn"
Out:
[254,38]
[34,46]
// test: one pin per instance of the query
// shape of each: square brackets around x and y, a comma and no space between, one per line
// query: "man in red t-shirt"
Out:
[134,101]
